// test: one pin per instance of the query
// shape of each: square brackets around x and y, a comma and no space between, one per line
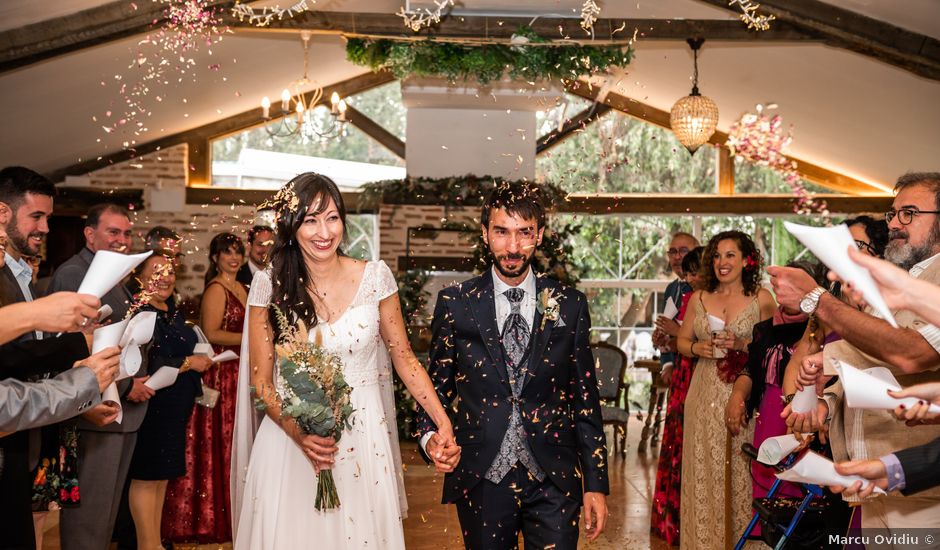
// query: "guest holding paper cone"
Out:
[160,452]
[716,489]
[197,504]
[911,352]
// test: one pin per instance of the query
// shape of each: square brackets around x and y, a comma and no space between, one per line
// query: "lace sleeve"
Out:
[385,284]
[259,294]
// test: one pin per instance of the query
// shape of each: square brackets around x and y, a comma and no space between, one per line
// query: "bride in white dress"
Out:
[355,308]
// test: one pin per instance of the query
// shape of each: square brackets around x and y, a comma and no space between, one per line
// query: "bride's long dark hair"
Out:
[289,275]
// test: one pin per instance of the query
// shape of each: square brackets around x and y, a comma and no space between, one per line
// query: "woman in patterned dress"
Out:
[716,489]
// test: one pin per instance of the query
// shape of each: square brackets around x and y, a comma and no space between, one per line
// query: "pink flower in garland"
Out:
[761,139]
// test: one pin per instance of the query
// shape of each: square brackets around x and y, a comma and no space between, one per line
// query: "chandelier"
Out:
[694,117]
[297,118]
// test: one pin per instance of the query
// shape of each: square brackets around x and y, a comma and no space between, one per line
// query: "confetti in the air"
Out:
[589,12]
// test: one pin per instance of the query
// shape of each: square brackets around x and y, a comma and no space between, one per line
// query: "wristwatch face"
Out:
[808,304]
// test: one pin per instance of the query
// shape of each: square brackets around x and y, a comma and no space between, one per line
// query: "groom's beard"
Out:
[523,266]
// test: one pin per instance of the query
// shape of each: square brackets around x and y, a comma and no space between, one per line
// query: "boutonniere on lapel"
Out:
[549,308]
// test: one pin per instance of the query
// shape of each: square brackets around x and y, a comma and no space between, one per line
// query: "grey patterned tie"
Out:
[515,446]
[515,329]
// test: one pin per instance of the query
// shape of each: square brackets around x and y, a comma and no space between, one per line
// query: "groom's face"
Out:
[512,242]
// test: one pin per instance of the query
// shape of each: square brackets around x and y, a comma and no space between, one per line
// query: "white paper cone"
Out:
[130,362]
[163,378]
[863,390]
[830,245]
[670,310]
[804,401]
[107,269]
[775,449]
[112,395]
[227,355]
[203,349]
[107,336]
[139,329]
[818,470]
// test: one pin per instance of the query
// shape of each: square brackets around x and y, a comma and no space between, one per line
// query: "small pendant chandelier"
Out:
[694,117]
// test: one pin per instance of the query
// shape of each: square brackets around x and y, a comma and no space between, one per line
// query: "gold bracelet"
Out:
[185,366]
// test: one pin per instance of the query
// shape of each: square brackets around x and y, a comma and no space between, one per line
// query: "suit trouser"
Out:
[103,461]
[898,515]
[492,515]
[16,493]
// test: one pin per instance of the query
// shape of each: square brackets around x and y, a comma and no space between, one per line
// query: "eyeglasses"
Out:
[906,215]
[862,245]
[677,251]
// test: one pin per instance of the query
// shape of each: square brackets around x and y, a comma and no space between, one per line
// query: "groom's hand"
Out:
[444,451]
[595,514]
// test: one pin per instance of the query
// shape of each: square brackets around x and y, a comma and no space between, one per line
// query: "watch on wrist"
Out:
[810,301]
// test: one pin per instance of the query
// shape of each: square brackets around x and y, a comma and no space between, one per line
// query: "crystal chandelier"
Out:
[694,117]
[297,117]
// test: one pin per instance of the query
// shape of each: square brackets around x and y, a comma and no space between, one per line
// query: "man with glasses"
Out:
[666,327]
[911,353]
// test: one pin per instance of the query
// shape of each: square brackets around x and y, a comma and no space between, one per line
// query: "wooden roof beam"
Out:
[115,20]
[571,126]
[660,204]
[853,31]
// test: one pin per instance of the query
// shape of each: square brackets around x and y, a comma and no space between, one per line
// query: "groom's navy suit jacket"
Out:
[559,400]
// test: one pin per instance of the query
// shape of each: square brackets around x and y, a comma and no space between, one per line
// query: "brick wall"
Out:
[197,223]
[394,221]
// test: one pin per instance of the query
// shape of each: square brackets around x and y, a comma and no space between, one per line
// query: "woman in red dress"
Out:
[198,505]
[664,516]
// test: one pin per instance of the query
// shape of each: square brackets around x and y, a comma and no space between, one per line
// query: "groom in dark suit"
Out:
[512,349]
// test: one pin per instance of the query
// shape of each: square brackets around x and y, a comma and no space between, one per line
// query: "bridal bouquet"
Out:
[312,391]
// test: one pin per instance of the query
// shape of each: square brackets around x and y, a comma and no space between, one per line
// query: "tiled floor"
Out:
[433,526]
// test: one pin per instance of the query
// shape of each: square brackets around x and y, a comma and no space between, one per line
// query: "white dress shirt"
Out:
[503,309]
[23,273]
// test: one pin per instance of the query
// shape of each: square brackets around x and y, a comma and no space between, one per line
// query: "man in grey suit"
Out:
[109,447]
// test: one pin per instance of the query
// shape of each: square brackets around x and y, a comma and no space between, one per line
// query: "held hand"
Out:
[735,419]
[65,312]
[666,374]
[140,392]
[320,451]
[444,451]
[102,414]
[104,364]
[729,341]
[872,470]
[595,514]
[667,325]
[790,285]
[810,371]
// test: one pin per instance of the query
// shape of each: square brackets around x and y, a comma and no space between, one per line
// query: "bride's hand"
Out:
[319,450]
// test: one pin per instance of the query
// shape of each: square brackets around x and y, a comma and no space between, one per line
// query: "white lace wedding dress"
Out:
[277,507]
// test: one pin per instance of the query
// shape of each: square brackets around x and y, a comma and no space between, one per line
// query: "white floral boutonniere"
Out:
[549,308]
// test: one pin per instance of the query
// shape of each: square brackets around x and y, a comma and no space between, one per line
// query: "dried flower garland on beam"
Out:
[426,17]
[750,16]
[262,17]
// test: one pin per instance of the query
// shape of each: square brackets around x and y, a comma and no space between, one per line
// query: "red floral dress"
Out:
[664,516]
[198,505]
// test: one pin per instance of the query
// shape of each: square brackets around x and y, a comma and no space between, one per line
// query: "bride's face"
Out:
[320,234]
